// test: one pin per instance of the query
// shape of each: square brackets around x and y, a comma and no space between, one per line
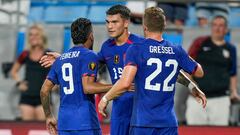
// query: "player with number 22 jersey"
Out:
[158,65]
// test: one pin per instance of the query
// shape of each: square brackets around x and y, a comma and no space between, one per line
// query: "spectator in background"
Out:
[30,103]
[176,13]
[218,59]
[137,9]
[206,11]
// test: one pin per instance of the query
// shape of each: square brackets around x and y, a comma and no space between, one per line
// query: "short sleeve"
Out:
[100,55]
[233,69]
[22,57]
[90,65]
[185,62]
[52,74]
[131,55]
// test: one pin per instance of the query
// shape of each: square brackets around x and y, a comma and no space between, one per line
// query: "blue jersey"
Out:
[77,110]
[158,65]
[113,56]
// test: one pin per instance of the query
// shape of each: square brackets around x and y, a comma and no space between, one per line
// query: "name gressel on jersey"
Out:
[161,49]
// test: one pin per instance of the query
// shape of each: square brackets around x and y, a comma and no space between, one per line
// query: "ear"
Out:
[126,23]
[144,27]
[91,37]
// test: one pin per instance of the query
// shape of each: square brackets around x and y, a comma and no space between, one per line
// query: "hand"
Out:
[48,59]
[132,88]
[102,107]
[234,96]
[200,96]
[51,124]
[23,86]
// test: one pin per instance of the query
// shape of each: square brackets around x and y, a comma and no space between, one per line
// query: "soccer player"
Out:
[75,71]
[154,64]
[112,54]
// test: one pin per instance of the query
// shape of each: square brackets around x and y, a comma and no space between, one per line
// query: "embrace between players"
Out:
[130,59]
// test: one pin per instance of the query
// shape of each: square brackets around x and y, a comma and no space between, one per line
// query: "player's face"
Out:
[116,25]
[35,37]
[219,28]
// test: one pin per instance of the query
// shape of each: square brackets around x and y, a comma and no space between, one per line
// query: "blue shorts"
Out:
[153,131]
[80,132]
[120,127]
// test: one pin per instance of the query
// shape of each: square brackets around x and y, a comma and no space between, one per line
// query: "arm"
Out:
[14,71]
[90,86]
[21,85]
[48,59]
[119,87]
[233,88]
[199,71]
[51,122]
[194,89]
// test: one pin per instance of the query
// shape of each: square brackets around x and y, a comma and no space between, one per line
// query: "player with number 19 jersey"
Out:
[113,56]
[77,110]
[158,65]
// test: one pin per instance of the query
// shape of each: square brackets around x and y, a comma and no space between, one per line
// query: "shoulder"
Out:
[201,39]
[108,42]
[24,53]
[136,38]
[90,54]
[23,56]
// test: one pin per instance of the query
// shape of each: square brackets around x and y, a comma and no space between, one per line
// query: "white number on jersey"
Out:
[156,86]
[68,78]
[117,72]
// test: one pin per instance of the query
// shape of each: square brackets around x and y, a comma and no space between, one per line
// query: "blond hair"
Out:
[42,33]
[154,19]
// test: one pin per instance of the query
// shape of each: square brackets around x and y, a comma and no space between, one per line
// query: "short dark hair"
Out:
[154,19]
[221,17]
[119,9]
[80,30]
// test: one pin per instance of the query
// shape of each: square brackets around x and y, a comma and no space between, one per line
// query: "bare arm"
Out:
[90,86]
[199,71]
[45,97]
[14,71]
[51,122]
[118,88]
[233,88]
[184,79]
[123,83]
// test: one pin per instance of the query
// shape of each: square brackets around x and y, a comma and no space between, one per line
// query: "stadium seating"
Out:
[64,14]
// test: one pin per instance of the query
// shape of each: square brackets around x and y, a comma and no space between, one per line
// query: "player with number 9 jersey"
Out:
[158,65]
[77,110]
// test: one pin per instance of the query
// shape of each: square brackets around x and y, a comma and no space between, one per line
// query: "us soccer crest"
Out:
[92,66]
[116,59]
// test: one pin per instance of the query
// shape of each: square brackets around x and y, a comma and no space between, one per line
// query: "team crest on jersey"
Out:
[116,59]
[92,66]
[226,53]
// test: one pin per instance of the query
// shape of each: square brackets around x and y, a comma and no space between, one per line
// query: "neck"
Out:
[36,48]
[154,35]
[122,38]
[218,41]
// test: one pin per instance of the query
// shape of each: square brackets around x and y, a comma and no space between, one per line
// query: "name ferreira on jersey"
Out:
[161,49]
[73,54]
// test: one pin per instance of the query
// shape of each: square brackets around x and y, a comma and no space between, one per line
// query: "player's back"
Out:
[77,110]
[158,65]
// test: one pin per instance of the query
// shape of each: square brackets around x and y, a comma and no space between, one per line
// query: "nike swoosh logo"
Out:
[107,58]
